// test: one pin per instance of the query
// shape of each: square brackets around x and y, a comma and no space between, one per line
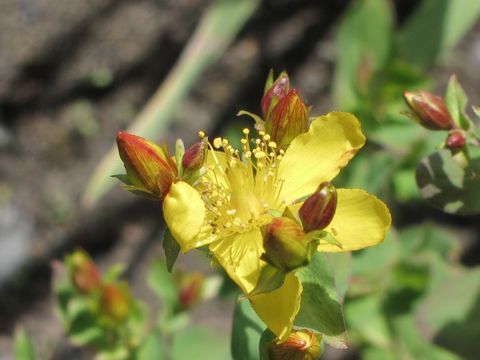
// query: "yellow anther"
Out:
[232,163]
[246,131]
[272,144]
[260,155]
[271,154]
[219,203]
[266,137]
[244,141]
[227,225]
[248,154]
[282,152]
[225,142]
[217,143]
[201,134]
[257,141]
[231,212]
[260,165]
[261,133]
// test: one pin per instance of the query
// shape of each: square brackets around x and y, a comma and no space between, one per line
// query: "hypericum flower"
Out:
[150,170]
[300,345]
[428,110]
[244,190]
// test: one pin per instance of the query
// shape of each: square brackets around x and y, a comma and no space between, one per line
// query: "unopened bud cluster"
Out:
[115,298]
[151,170]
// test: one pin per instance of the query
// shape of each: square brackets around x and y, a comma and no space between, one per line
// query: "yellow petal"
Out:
[184,213]
[318,155]
[361,220]
[239,255]
[278,308]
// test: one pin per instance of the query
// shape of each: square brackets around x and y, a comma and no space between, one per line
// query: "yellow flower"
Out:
[243,190]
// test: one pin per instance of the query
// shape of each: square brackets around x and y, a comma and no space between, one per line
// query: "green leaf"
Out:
[270,278]
[152,348]
[161,282]
[216,30]
[364,46]
[246,332]
[265,341]
[22,346]
[434,28]
[366,317]
[200,340]
[456,101]
[171,248]
[321,309]
[450,313]
[446,185]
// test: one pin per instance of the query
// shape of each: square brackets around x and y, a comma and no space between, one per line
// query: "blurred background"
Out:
[73,73]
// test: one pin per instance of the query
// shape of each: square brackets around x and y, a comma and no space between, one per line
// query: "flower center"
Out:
[241,186]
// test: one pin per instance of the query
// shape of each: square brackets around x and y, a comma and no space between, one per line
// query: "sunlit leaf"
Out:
[321,307]
[448,186]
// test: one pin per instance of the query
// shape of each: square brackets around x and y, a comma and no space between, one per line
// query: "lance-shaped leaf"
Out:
[321,307]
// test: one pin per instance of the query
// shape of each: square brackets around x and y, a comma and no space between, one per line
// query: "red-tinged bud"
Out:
[318,210]
[149,168]
[190,289]
[287,120]
[428,110]
[116,301]
[84,274]
[285,244]
[455,139]
[194,158]
[274,92]
[300,345]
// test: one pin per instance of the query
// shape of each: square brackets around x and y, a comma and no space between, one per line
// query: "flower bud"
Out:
[274,92]
[194,158]
[300,345]
[284,112]
[149,168]
[85,275]
[285,244]
[115,301]
[317,211]
[428,110]
[190,289]
[455,139]
[287,120]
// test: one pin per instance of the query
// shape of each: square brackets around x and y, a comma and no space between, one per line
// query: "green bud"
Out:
[285,244]
[116,301]
[84,274]
[318,210]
